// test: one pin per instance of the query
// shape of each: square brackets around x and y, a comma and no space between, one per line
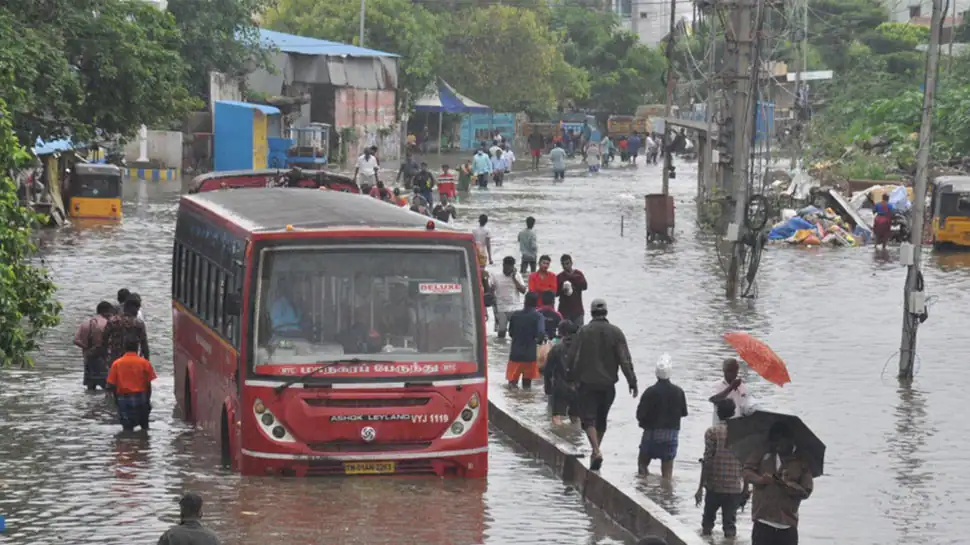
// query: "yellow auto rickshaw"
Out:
[951,211]
[95,192]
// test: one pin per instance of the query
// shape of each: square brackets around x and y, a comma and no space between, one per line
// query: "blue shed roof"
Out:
[291,43]
[54,146]
[268,110]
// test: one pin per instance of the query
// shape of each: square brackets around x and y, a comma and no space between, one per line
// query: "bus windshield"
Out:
[382,304]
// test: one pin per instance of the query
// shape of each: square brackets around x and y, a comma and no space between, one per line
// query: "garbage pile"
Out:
[812,226]
[900,198]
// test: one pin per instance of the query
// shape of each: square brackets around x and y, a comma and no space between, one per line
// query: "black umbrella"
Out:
[748,436]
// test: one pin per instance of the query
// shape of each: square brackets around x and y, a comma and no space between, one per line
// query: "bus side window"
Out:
[176,270]
[218,292]
[191,282]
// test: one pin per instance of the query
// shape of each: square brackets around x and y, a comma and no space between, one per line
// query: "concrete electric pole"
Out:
[914,300]
[671,81]
[737,129]
[800,13]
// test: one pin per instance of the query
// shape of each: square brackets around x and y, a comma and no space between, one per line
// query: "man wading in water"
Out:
[598,352]
[90,339]
[189,530]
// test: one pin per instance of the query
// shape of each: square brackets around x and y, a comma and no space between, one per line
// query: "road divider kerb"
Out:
[626,507]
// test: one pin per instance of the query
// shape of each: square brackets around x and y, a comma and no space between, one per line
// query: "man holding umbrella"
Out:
[782,477]
[733,388]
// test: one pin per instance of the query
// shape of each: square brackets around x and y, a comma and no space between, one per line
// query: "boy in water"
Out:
[527,330]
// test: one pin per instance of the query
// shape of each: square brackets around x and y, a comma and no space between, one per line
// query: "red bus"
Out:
[322,333]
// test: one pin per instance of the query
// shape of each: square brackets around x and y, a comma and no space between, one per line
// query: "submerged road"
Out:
[66,477]
[895,472]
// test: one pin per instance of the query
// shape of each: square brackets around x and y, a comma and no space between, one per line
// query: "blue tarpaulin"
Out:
[442,98]
[54,146]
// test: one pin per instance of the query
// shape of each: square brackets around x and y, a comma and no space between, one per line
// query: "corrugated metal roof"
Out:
[291,43]
[266,109]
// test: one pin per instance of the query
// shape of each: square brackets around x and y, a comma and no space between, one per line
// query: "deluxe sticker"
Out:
[438,288]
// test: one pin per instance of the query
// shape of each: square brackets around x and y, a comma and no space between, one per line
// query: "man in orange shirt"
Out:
[543,280]
[131,379]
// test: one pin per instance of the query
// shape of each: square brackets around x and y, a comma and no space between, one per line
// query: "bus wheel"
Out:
[226,456]
[187,411]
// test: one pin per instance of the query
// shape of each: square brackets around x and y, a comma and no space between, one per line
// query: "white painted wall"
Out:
[164,148]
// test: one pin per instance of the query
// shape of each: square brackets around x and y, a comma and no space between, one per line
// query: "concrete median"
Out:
[629,509]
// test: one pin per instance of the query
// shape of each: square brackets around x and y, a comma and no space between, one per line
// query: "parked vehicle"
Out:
[271,177]
[951,211]
[94,191]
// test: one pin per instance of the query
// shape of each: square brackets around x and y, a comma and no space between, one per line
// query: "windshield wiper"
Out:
[291,381]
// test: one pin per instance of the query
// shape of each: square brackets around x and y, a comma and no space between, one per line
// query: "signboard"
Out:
[809,76]
[438,288]
[620,124]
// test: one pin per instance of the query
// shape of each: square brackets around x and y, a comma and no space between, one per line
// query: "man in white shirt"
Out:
[508,156]
[367,168]
[733,388]
[483,239]
[509,287]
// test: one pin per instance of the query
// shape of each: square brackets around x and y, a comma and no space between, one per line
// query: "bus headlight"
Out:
[465,419]
[270,424]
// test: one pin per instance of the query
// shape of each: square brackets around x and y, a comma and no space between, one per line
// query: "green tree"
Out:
[394,26]
[622,73]
[219,36]
[27,304]
[835,25]
[80,66]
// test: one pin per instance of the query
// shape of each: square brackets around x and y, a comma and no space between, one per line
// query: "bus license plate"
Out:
[368,468]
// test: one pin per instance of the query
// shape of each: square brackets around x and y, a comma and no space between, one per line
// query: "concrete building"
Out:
[904,11]
[351,88]
[649,19]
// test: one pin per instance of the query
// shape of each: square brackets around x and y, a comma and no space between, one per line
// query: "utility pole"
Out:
[671,80]
[801,9]
[709,169]
[738,126]
[914,303]
[363,17]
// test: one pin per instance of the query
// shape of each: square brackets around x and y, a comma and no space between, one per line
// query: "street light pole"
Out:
[363,16]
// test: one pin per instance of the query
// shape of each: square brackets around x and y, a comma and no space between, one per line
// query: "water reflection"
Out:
[906,445]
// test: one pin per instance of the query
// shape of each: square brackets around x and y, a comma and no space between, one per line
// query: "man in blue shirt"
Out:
[527,328]
[481,168]
[633,146]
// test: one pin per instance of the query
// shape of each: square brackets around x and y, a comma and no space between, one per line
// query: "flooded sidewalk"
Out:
[893,474]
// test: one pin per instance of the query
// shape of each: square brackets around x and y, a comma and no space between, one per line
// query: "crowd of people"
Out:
[580,364]
[114,343]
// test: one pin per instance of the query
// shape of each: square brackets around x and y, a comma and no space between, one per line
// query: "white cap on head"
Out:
[664,366]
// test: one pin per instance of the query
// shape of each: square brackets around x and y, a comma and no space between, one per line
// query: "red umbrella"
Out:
[760,357]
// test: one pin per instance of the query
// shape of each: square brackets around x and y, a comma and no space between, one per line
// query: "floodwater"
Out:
[67,476]
[894,469]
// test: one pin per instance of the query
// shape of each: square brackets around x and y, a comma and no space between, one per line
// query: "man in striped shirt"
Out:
[720,476]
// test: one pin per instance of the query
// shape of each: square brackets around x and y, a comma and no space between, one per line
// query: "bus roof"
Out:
[275,208]
[953,184]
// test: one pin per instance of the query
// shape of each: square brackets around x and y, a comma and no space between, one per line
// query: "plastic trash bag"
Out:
[899,199]
[787,214]
[811,240]
[810,210]
[788,228]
